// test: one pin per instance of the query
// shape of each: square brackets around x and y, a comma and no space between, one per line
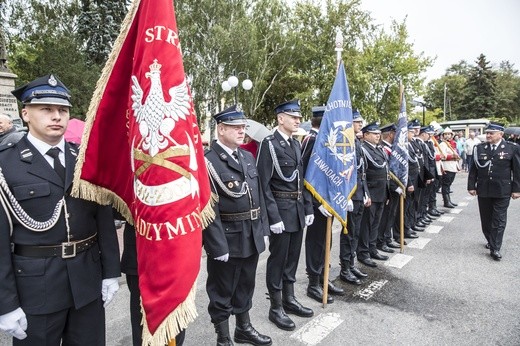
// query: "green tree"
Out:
[508,92]
[98,26]
[480,98]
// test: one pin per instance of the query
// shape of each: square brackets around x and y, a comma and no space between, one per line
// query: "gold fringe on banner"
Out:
[177,320]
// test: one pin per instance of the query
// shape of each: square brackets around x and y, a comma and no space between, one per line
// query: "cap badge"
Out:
[52,81]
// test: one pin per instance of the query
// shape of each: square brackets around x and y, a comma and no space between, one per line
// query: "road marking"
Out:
[419,243]
[463,204]
[445,219]
[433,229]
[455,211]
[368,292]
[314,331]
[398,261]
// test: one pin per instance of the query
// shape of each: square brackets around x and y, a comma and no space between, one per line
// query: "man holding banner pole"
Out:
[331,175]
[316,233]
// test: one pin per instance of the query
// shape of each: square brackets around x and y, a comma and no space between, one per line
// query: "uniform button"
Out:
[19,271]
[31,192]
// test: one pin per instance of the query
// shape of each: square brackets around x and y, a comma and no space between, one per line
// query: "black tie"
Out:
[235,155]
[493,147]
[58,167]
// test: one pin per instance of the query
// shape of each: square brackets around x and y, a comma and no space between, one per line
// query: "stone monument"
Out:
[8,103]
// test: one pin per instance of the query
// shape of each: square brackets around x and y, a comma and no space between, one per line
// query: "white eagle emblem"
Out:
[155,116]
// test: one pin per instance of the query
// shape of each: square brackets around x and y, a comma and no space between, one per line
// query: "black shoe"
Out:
[317,295]
[249,335]
[358,273]
[333,289]
[399,241]
[418,229]
[440,211]
[347,276]
[419,224]
[378,256]
[448,205]
[392,244]
[385,248]
[368,262]
[411,236]
[433,214]
[281,320]
[496,255]
[487,246]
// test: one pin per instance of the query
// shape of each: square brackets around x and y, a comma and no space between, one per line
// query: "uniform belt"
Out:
[287,194]
[64,250]
[253,214]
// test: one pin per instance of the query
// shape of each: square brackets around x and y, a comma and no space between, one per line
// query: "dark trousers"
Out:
[493,218]
[348,243]
[369,230]
[282,263]
[230,286]
[447,180]
[432,198]
[418,199]
[136,316]
[388,219]
[84,326]
[409,211]
[315,244]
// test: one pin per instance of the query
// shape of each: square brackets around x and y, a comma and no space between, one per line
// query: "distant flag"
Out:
[142,152]
[331,174]
[399,156]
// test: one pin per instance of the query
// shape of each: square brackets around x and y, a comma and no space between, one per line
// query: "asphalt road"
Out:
[443,290]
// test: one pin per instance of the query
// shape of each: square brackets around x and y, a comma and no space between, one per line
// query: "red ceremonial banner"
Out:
[142,152]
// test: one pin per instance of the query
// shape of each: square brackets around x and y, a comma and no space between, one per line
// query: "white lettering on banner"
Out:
[162,33]
[338,104]
[181,226]
[329,172]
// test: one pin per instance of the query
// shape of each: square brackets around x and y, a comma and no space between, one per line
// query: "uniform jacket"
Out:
[377,178]
[46,285]
[496,174]
[238,238]
[291,211]
[413,166]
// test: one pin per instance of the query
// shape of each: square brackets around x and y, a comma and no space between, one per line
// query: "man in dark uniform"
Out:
[348,242]
[427,178]
[413,181]
[235,239]
[377,176]
[289,208]
[494,176]
[316,233]
[427,209]
[385,240]
[59,256]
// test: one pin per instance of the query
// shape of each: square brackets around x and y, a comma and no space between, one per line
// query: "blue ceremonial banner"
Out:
[331,175]
[399,157]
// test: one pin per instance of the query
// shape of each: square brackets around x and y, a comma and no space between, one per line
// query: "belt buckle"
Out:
[254,214]
[68,250]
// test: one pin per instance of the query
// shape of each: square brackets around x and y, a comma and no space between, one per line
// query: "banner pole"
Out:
[327,261]
[401,219]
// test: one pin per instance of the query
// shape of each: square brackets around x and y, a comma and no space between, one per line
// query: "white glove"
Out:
[109,288]
[14,323]
[223,258]
[324,211]
[399,190]
[266,240]
[309,219]
[350,205]
[277,228]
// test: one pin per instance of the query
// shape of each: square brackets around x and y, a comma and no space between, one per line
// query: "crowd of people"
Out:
[261,200]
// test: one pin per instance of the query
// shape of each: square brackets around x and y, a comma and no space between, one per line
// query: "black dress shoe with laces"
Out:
[393,245]
[347,276]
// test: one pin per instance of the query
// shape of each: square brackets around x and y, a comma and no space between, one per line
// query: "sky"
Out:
[454,30]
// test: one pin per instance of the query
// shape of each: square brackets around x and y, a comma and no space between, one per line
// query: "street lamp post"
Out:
[423,105]
[232,82]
